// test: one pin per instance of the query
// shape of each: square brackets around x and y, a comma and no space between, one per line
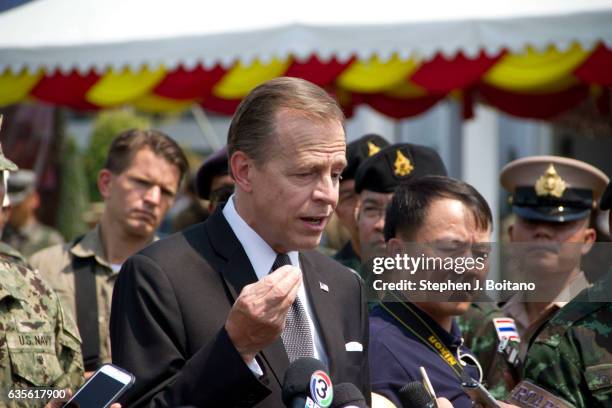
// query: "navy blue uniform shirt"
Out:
[396,355]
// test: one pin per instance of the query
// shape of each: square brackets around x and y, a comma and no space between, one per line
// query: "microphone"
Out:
[347,395]
[307,384]
[415,395]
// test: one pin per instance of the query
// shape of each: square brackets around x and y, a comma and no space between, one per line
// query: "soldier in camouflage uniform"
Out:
[571,357]
[552,199]
[39,343]
[356,153]
[479,335]
[24,232]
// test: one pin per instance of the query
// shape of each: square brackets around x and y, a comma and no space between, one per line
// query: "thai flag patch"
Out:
[506,328]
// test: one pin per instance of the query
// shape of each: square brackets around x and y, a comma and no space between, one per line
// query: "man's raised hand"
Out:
[257,318]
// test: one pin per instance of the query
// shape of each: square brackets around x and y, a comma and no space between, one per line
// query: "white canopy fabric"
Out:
[101,34]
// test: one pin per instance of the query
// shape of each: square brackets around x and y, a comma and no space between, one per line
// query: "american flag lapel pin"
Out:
[323,287]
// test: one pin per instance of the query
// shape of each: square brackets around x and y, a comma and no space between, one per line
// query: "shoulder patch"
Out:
[506,329]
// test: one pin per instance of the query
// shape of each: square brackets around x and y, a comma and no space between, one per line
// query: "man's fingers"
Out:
[284,274]
[290,298]
[285,279]
[284,291]
[274,286]
[443,403]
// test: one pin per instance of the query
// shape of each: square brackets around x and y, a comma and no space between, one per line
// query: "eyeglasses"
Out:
[372,212]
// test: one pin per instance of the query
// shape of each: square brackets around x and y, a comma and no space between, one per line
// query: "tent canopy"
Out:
[119,33]
[401,60]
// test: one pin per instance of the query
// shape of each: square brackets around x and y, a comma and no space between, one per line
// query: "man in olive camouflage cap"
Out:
[571,357]
[24,231]
[39,343]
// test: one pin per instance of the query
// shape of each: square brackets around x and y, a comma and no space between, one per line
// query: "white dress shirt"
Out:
[262,257]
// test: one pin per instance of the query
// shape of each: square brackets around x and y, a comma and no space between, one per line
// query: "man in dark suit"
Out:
[213,316]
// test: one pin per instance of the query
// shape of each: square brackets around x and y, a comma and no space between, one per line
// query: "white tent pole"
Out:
[206,127]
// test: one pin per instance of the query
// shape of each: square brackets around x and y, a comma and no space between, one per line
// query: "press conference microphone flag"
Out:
[415,395]
[297,381]
[347,395]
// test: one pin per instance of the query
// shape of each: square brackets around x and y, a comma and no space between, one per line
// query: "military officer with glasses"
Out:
[411,329]
[376,180]
[356,153]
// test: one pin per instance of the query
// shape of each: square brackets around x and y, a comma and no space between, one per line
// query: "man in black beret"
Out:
[213,182]
[356,152]
[376,180]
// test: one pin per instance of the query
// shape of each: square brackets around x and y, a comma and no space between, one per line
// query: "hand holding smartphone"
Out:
[103,388]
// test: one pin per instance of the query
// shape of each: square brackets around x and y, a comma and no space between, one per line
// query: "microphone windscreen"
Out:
[348,395]
[415,395]
[297,378]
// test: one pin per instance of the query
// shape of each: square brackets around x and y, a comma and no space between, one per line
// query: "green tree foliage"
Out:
[74,194]
[106,126]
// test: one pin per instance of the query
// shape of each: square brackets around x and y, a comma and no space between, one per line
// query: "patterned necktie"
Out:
[296,337]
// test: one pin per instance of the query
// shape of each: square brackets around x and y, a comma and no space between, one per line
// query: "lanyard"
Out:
[428,337]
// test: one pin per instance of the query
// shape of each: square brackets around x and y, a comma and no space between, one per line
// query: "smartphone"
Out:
[102,389]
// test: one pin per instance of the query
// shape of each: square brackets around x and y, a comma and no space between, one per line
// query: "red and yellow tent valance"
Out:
[531,83]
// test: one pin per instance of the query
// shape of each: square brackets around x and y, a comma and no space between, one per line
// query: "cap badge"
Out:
[550,183]
[372,149]
[402,164]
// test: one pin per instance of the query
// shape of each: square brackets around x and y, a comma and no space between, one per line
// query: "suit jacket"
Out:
[169,308]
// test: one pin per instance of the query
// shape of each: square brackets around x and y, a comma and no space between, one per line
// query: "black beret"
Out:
[215,165]
[606,198]
[404,161]
[359,150]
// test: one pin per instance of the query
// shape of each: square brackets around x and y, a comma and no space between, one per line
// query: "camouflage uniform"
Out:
[55,265]
[39,344]
[347,257]
[480,336]
[31,238]
[571,357]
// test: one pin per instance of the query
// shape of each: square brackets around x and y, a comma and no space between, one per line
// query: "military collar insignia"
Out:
[550,183]
[372,149]
[402,164]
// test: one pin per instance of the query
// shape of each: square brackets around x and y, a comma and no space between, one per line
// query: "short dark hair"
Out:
[408,208]
[253,124]
[128,143]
